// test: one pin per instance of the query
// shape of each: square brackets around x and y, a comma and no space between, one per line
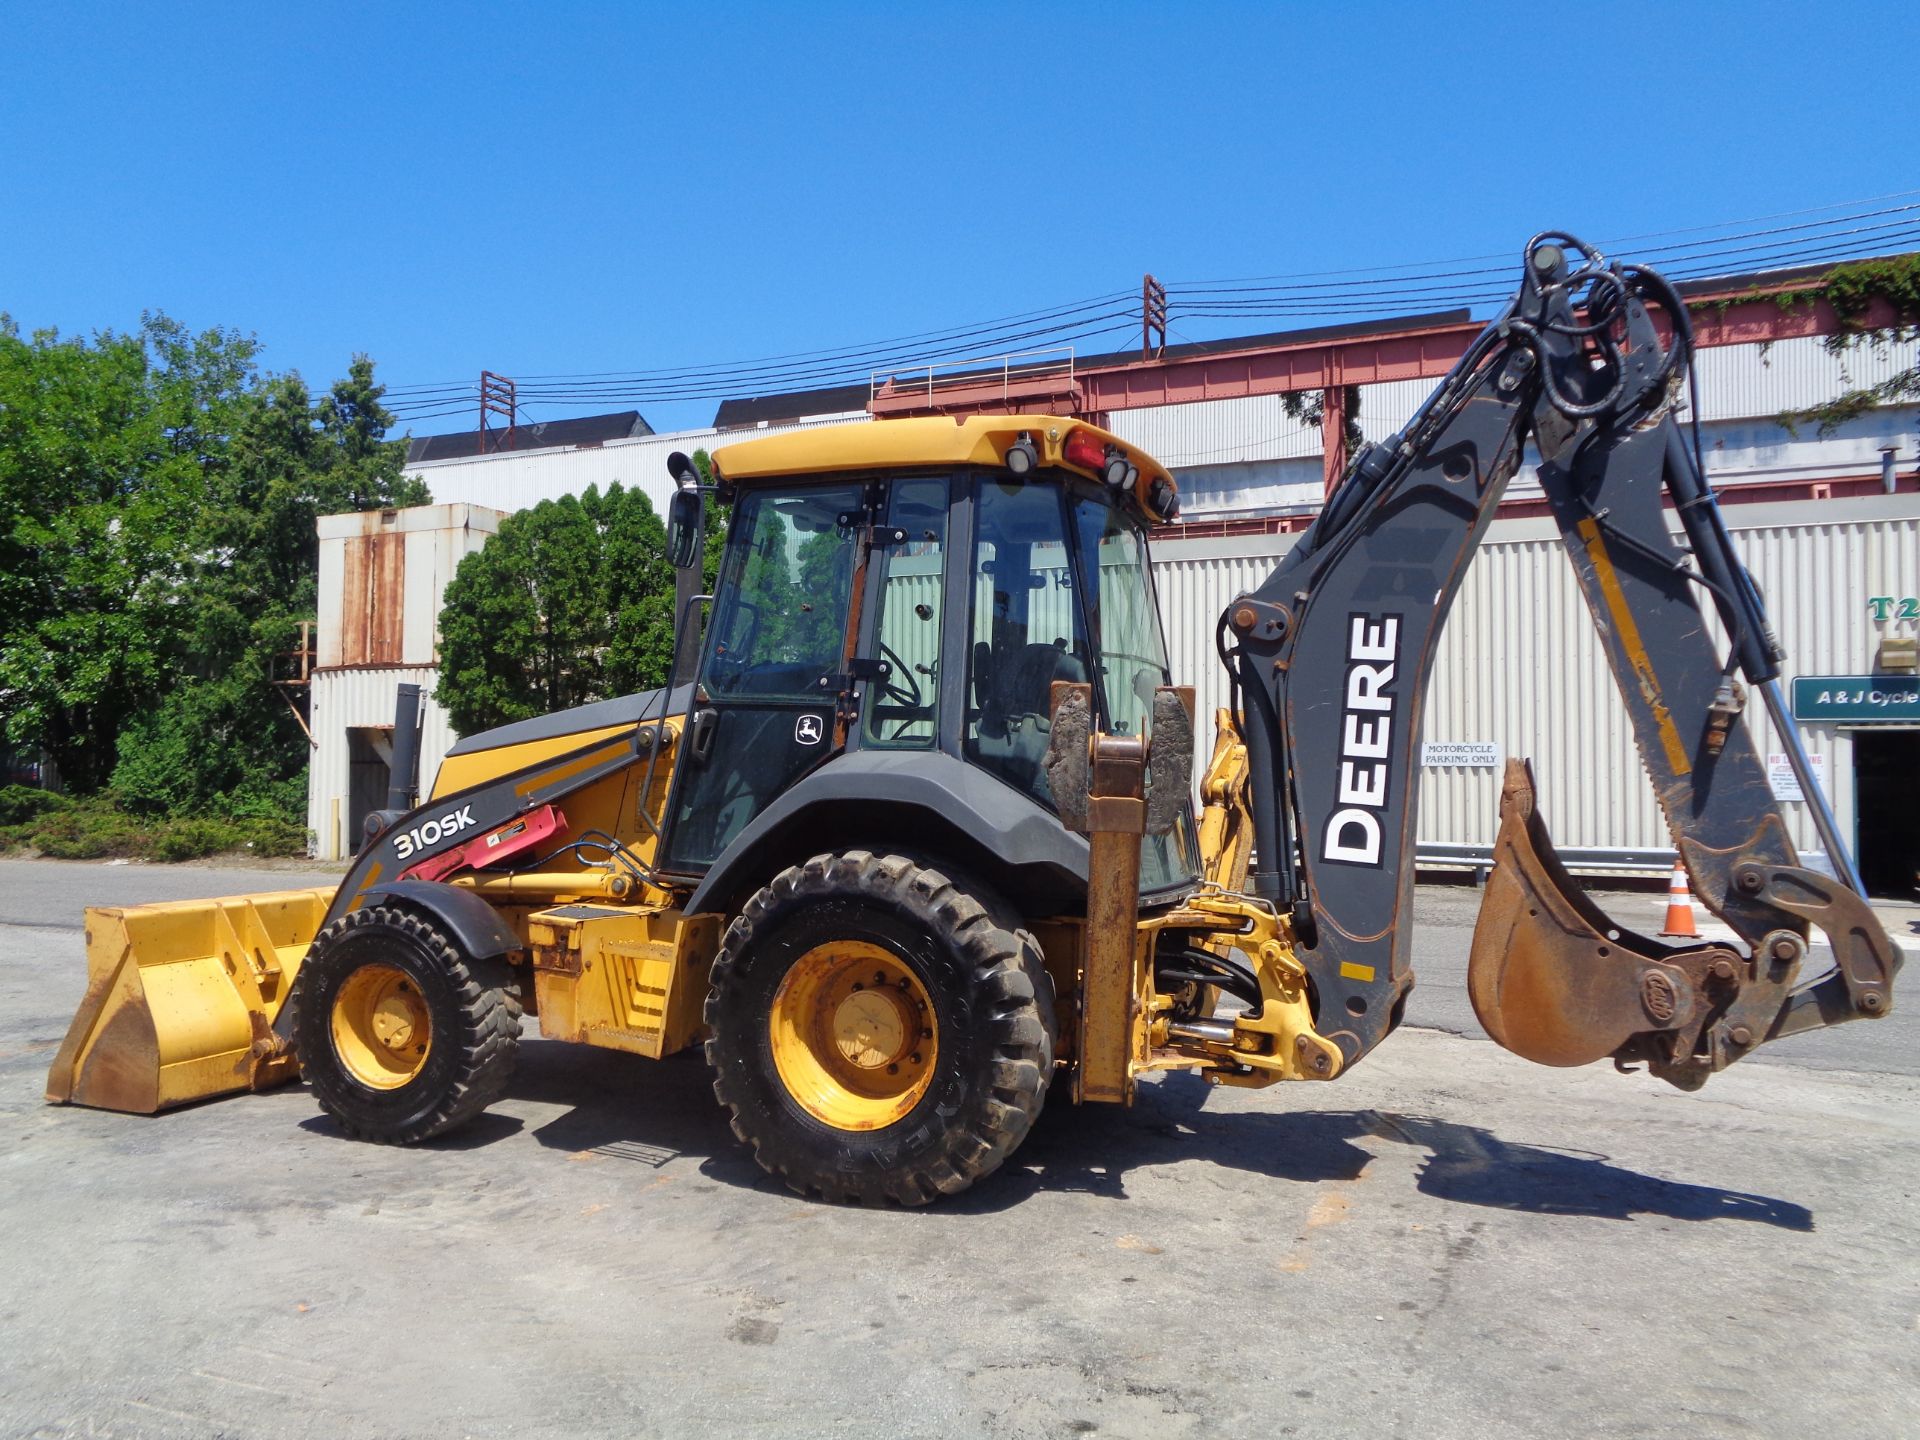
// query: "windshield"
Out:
[1123,619]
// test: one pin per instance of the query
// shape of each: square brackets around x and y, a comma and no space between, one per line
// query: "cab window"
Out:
[900,706]
[783,624]
[1027,630]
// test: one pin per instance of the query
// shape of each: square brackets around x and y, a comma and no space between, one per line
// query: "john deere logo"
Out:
[807,730]
[1657,994]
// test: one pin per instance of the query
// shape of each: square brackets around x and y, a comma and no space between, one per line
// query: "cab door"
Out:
[772,672]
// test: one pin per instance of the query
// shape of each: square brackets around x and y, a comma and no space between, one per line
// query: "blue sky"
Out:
[544,189]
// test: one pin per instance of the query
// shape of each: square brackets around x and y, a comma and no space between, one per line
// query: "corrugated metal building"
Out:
[525,477]
[381,577]
[1520,670]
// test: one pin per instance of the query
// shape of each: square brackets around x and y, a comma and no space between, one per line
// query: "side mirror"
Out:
[683,512]
[683,527]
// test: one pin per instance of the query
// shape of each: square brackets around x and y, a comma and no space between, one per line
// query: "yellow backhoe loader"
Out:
[914,839]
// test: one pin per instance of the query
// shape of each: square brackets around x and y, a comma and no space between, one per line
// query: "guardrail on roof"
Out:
[1019,379]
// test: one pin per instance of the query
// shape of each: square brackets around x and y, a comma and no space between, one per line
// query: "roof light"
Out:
[1022,458]
[1087,450]
[1163,500]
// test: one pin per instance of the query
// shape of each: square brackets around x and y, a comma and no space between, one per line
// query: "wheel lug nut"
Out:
[903,982]
[893,1069]
[858,986]
[914,1058]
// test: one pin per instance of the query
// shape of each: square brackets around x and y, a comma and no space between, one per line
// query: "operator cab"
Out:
[918,586]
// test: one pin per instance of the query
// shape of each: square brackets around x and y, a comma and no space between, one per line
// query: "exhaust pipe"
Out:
[402,775]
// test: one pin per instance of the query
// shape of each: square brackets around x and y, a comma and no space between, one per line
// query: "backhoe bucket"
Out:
[1556,981]
[181,999]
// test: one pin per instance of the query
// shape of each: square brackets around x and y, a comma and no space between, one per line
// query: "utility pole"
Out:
[1153,318]
[498,396]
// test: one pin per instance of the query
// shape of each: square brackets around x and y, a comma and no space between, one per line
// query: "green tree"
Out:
[157,504]
[571,602]
[224,738]
[1309,407]
[107,456]
[715,523]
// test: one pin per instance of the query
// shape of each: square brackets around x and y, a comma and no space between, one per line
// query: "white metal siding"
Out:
[1520,662]
[1521,665]
[348,699]
[435,538]
[1387,407]
[1216,432]
[522,478]
[1193,591]
[1749,381]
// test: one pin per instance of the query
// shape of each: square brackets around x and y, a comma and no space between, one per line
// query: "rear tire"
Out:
[876,1033]
[400,1036]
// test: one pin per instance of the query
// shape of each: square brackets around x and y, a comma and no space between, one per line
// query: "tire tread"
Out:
[489,1015]
[1007,972]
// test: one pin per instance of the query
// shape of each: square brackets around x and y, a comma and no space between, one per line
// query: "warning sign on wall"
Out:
[1786,784]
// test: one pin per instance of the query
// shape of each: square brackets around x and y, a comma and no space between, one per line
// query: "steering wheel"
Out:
[728,664]
[898,684]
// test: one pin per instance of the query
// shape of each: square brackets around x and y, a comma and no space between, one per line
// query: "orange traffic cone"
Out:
[1679,924]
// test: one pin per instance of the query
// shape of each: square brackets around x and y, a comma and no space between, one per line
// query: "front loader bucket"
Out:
[181,999]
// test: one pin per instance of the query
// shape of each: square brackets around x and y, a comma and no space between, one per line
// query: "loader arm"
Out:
[1332,656]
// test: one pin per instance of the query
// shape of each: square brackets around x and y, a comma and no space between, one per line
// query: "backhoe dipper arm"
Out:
[1333,653]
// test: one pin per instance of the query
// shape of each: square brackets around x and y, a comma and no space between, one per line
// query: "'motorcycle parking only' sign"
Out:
[1476,754]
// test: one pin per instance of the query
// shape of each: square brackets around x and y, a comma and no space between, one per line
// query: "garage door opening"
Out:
[1886,781]
[369,773]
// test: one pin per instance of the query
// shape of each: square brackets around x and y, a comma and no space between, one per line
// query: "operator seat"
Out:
[1015,698]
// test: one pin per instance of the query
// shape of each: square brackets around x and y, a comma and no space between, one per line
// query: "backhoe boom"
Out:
[1334,650]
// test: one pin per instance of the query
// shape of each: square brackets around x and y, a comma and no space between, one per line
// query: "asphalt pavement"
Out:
[1448,1241]
[1443,937]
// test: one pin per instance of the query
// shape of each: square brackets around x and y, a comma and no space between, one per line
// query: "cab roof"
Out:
[927,441]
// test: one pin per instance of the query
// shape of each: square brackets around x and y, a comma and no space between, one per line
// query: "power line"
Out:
[1331,294]
[1625,239]
[1407,284]
[846,352]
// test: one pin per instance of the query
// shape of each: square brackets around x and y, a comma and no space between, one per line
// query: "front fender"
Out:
[470,922]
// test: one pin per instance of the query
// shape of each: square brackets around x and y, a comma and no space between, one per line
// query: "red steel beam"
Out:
[1746,492]
[1275,369]
[1406,355]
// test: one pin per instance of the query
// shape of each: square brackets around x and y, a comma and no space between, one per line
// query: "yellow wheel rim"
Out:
[854,1036]
[382,1030]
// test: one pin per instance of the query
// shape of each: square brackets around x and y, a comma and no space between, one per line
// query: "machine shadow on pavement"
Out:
[618,1106]
[1092,1149]
[649,1114]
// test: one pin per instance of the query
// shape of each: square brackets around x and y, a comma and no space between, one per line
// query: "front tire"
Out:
[400,1036]
[877,1034]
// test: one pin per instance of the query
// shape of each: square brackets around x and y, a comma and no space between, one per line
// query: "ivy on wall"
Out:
[1852,289]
